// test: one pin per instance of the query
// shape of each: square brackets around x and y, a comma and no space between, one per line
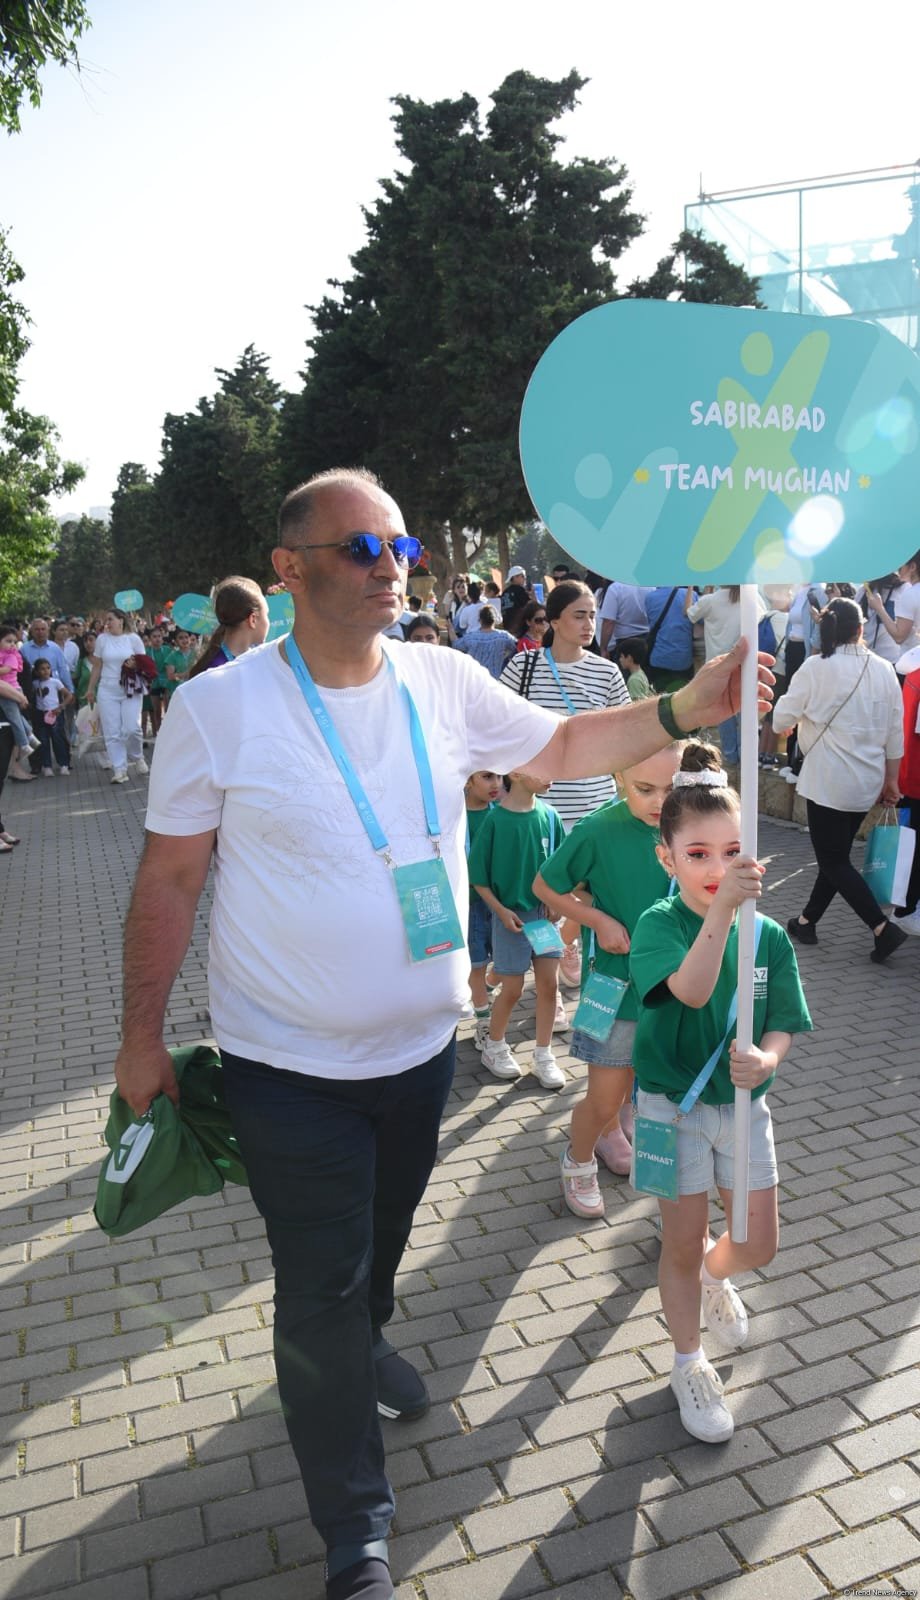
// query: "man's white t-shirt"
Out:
[907,604]
[309,965]
[113,650]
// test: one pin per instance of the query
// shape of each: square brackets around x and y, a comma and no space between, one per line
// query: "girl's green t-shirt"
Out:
[674,1041]
[613,854]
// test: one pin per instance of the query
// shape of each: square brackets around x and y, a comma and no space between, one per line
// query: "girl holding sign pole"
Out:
[684,966]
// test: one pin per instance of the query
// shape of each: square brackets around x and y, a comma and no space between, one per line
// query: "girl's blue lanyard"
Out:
[352,782]
[566,697]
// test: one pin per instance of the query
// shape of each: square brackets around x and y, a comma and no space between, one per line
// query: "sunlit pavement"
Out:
[145,1457]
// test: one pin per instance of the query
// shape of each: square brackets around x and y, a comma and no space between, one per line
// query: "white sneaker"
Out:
[119,776]
[34,744]
[724,1314]
[560,1020]
[580,1188]
[544,1065]
[140,767]
[498,1059]
[64,771]
[786,772]
[909,924]
[47,772]
[703,1412]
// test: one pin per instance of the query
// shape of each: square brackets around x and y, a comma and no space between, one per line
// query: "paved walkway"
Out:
[144,1455]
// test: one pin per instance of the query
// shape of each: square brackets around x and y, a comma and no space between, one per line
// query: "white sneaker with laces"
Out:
[64,771]
[498,1059]
[560,1020]
[544,1065]
[119,776]
[140,767]
[724,1314]
[580,1188]
[703,1412]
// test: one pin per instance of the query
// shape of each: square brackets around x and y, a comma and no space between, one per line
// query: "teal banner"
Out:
[667,443]
[280,615]
[129,599]
[194,613]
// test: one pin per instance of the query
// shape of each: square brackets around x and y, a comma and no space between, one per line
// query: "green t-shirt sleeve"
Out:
[787,1008]
[657,948]
[571,862]
[480,862]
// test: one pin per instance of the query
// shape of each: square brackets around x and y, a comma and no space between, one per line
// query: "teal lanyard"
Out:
[702,1078]
[566,697]
[350,778]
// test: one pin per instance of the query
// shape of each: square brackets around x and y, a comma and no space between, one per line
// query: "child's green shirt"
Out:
[510,848]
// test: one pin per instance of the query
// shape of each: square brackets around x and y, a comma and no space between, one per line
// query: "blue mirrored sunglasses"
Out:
[366,548]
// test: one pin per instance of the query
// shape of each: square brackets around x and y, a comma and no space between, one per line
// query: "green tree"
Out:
[134,531]
[82,577]
[698,270]
[216,494]
[480,249]
[32,33]
[30,472]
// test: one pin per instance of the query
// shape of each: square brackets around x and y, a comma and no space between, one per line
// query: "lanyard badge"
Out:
[426,900]
[601,998]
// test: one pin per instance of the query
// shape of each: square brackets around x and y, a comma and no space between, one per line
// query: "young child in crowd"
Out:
[179,661]
[684,967]
[51,697]
[612,854]
[15,707]
[482,790]
[513,842]
[632,659]
[159,654]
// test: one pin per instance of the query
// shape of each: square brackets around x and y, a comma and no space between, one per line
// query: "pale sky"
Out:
[194,189]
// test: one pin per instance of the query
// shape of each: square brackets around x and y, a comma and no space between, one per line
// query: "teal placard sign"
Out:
[672,443]
[129,599]
[280,615]
[195,613]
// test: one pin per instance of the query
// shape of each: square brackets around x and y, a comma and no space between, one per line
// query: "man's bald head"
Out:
[299,507]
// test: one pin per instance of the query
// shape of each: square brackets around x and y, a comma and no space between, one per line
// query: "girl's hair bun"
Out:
[699,757]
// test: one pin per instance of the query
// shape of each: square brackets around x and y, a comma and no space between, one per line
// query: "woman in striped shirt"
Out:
[565,677]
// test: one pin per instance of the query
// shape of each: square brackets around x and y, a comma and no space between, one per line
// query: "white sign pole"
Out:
[749,803]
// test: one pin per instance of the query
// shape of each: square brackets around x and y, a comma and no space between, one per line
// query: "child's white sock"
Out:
[684,1361]
[707,1277]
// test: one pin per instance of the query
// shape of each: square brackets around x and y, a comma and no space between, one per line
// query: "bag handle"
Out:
[655,629]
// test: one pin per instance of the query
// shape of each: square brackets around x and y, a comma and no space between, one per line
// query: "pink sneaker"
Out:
[570,966]
[580,1187]
[615,1151]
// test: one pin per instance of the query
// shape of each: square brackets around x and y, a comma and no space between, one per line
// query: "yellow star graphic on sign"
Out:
[864,481]
[641,474]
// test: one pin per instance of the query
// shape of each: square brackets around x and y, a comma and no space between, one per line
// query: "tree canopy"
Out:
[479,250]
[32,33]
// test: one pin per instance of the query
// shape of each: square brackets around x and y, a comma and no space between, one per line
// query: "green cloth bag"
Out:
[168,1156]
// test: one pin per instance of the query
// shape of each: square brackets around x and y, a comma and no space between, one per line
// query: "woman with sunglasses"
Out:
[532,627]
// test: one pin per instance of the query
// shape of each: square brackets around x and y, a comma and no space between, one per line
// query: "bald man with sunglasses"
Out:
[323,774]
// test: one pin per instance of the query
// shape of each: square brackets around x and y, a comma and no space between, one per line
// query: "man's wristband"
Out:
[668,720]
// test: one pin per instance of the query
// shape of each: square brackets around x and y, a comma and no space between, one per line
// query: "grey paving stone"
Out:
[891,1488]
[498,1577]
[692,1564]
[788,1579]
[853,1557]
[785,1528]
[797,1475]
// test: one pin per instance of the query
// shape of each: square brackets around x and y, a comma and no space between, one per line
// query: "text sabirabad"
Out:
[747,415]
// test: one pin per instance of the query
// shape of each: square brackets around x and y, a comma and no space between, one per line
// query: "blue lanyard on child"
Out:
[352,782]
[566,697]
[702,1078]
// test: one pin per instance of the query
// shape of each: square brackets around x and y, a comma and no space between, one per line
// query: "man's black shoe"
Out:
[367,1579]
[804,932]
[400,1390]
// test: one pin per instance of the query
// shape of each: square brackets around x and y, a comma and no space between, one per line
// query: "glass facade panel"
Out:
[847,246]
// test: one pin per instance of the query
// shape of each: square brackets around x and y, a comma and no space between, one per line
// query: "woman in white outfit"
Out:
[119,710]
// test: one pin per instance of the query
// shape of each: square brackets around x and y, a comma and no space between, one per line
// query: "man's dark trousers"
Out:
[337,1169]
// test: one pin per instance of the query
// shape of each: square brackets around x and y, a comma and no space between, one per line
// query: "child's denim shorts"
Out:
[614,1051]
[512,952]
[706,1143]
[479,933]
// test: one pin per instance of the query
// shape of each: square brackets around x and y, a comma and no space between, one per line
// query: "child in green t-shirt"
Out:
[180,659]
[603,876]
[684,966]
[513,842]
[632,659]
[481,790]
[159,654]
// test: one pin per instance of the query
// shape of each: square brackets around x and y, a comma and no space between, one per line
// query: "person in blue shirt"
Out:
[488,645]
[669,639]
[40,645]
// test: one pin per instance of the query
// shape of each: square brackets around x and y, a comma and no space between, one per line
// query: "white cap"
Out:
[516,572]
